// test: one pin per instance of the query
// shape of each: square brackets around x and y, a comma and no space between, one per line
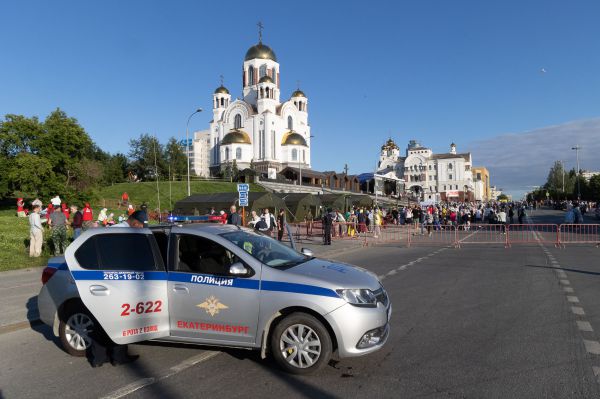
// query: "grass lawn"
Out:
[169,193]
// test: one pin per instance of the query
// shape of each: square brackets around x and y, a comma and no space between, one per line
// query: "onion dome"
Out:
[293,138]
[265,79]
[389,145]
[260,51]
[298,93]
[236,136]
[221,90]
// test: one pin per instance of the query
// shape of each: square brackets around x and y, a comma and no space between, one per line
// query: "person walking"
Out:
[58,226]
[377,220]
[269,220]
[36,232]
[21,208]
[77,221]
[254,218]
[280,224]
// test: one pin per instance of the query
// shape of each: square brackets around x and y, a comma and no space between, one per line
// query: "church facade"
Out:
[258,130]
[427,176]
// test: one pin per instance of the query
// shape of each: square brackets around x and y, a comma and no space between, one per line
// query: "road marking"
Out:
[592,347]
[565,282]
[577,310]
[561,274]
[584,326]
[568,289]
[144,382]
[572,299]
[391,272]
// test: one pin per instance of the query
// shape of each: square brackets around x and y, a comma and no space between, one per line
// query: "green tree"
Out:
[176,158]
[32,175]
[559,183]
[18,134]
[115,169]
[142,153]
[594,188]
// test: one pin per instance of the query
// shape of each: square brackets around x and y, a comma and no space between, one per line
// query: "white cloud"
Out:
[517,161]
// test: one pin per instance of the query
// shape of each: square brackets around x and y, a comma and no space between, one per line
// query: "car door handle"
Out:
[99,290]
[181,289]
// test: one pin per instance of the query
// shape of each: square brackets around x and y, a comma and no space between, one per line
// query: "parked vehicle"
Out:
[213,285]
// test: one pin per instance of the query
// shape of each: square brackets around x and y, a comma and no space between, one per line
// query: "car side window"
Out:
[125,252]
[202,255]
[87,256]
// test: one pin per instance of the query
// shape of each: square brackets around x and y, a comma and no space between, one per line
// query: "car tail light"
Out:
[47,274]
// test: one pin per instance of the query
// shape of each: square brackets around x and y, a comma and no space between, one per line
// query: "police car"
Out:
[216,285]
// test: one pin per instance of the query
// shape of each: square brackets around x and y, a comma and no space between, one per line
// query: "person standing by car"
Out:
[328,219]
[58,225]
[234,217]
[77,221]
[87,217]
[36,232]
[280,224]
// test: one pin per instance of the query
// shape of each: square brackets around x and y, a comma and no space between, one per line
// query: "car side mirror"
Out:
[238,269]
[307,252]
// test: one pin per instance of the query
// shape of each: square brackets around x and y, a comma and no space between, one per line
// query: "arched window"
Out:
[222,102]
[450,166]
[238,153]
[251,74]
[226,153]
[290,123]
[237,121]
[262,71]
[294,154]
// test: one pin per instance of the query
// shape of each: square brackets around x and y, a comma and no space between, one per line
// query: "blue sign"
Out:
[243,194]
[243,187]
[243,201]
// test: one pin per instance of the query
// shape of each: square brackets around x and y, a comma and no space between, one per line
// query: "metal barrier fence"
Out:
[456,236]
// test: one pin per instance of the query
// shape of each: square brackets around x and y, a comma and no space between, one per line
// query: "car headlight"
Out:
[359,297]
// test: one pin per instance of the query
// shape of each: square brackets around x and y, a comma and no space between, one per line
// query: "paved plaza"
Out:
[476,321]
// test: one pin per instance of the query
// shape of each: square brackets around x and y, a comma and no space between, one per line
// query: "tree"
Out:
[557,177]
[502,197]
[176,158]
[18,134]
[142,155]
[32,175]
[235,172]
[594,188]
[115,169]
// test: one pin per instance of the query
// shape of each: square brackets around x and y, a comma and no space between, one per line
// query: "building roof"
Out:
[466,156]
[260,51]
[293,138]
[305,172]
[236,137]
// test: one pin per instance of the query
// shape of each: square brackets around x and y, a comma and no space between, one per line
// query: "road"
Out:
[474,322]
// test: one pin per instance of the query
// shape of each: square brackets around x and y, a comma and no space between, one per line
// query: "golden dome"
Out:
[265,79]
[236,136]
[221,90]
[260,51]
[298,93]
[389,145]
[293,138]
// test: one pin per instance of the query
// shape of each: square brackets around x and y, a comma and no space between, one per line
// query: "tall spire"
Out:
[221,78]
[260,31]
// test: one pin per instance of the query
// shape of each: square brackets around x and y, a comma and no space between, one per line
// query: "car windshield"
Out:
[265,249]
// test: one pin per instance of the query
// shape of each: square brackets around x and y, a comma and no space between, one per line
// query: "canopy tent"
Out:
[300,204]
[345,202]
[358,200]
[200,204]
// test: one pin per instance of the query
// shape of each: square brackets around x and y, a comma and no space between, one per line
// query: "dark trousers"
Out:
[279,235]
[327,235]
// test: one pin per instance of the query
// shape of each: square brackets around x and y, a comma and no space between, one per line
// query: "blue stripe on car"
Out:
[275,286]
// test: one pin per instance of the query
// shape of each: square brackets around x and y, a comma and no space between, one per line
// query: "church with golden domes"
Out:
[262,128]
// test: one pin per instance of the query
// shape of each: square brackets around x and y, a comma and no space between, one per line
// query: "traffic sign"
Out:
[243,201]
[243,187]
[243,194]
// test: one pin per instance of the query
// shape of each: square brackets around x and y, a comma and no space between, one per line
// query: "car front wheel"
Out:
[301,344]
[75,329]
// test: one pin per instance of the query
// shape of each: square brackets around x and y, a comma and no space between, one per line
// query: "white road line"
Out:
[561,274]
[572,299]
[565,282]
[584,326]
[391,272]
[144,382]
[568,289]
[381,276]
[577,310]
[592,347]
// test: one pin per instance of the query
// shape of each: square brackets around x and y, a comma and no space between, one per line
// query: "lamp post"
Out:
[187,148]
[577,148]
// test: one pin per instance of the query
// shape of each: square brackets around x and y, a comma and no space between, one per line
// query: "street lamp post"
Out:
[187,148]
[577,148]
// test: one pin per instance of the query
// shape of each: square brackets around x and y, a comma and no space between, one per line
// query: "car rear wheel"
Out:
[75,329]
[301,344]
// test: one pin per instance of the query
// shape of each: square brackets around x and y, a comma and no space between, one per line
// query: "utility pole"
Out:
[577,148]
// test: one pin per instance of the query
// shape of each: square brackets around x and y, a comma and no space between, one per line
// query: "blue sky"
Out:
[437,71]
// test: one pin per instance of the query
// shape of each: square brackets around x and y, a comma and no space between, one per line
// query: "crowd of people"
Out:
[59,219]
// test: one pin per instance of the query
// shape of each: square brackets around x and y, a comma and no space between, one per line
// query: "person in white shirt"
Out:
[36,232]
[254,219]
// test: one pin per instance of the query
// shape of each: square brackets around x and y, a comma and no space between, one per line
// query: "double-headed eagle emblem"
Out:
[212,305]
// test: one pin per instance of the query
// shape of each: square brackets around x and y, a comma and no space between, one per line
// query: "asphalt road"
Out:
[474,322]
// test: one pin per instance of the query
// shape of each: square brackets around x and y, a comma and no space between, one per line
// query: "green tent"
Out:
[300,205]
[201,204]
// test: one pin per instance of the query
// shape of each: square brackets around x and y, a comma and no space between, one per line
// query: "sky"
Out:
[482,74]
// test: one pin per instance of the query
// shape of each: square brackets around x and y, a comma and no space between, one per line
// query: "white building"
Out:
[200,151]
[429,176]
[259,128]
